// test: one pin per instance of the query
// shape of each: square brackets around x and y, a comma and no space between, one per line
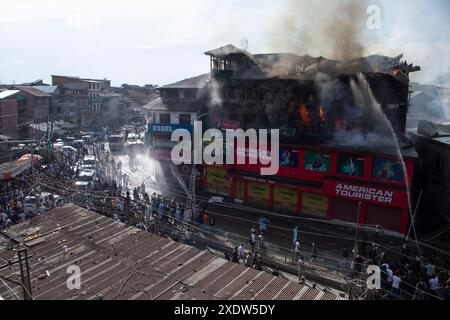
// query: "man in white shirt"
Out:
[396,280]
[433,284]
[297,249]
[241,252]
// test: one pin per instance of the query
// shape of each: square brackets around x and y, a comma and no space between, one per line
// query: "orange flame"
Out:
[322,114]
[304,116]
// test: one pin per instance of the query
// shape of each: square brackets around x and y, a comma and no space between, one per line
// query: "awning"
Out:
[10,170]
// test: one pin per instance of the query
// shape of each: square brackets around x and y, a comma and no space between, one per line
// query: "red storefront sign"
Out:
[374,194]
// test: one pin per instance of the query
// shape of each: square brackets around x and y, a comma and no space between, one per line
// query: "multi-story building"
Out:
[432,141]
[338,123]
[178,106]
[8,113]
[80,98]
[33,107]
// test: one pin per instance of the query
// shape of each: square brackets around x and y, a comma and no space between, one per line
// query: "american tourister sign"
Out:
[373,194]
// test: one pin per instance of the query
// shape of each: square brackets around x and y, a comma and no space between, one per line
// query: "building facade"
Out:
[8,113]
[337,123]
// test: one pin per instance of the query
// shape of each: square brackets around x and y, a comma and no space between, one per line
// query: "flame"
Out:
[322,114]
[304,116]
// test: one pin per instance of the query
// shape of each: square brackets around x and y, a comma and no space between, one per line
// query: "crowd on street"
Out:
[402,277]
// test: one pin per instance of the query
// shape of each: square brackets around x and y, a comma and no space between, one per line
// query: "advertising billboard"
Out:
[350,165]
[387,169]
[317,161]
[288,158]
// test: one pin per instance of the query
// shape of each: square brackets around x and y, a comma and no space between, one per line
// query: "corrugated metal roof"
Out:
[7,93]
[33,91]
[123,262]
[47,89]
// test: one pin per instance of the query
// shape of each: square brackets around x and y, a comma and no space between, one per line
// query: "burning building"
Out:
[339,123]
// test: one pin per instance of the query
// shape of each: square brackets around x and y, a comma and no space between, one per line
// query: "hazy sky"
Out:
[160,42]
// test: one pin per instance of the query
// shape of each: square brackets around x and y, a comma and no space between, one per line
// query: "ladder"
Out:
[190,203]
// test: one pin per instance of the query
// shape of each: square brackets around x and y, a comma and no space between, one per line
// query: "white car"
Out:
[30,204]
[216,200]
[85,178]
[89,162]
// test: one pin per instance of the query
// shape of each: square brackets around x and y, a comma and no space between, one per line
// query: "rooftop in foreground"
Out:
[123,262]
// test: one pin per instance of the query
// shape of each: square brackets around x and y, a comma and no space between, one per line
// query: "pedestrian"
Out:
[396,280]
[252,240]
[276,272]
[235,255]
[187,236]
[259,242]
[420,290]
[205,221]
[297,249]
[227,255]
[295,234]
[433,284]
[248,259]
[263,223]
[301,269]
[148,214]
[143,188]
[241,252]
[377,234]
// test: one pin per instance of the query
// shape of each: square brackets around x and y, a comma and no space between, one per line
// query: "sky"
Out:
[160,42]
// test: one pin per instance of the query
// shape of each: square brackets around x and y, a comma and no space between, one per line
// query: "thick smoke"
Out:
[333,29]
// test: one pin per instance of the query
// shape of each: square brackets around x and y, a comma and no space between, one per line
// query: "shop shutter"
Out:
[314,204]
[285,198]
[387,217]
[258,194]
[346,210]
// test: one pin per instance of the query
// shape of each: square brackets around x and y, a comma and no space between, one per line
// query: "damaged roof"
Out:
[226,50]
[33,91]
[126,263]
[197,82]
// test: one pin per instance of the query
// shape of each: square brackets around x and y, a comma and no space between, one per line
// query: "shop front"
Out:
[218,181]
[380,205]
[258,194]
[314,204]
[285,198]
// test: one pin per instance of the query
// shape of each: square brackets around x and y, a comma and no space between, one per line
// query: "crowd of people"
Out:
[12,196]
[111,195]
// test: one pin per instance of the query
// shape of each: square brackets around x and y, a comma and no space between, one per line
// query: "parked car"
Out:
[85,179]
[89,162]
[33,204]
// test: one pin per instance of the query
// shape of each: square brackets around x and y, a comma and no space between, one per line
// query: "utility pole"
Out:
[24,267]
[355,251]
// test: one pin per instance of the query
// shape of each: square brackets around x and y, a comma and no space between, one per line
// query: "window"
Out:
[181,94]
[164,118]
[386,169]
[317,161]
[350,165]
[185,118]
